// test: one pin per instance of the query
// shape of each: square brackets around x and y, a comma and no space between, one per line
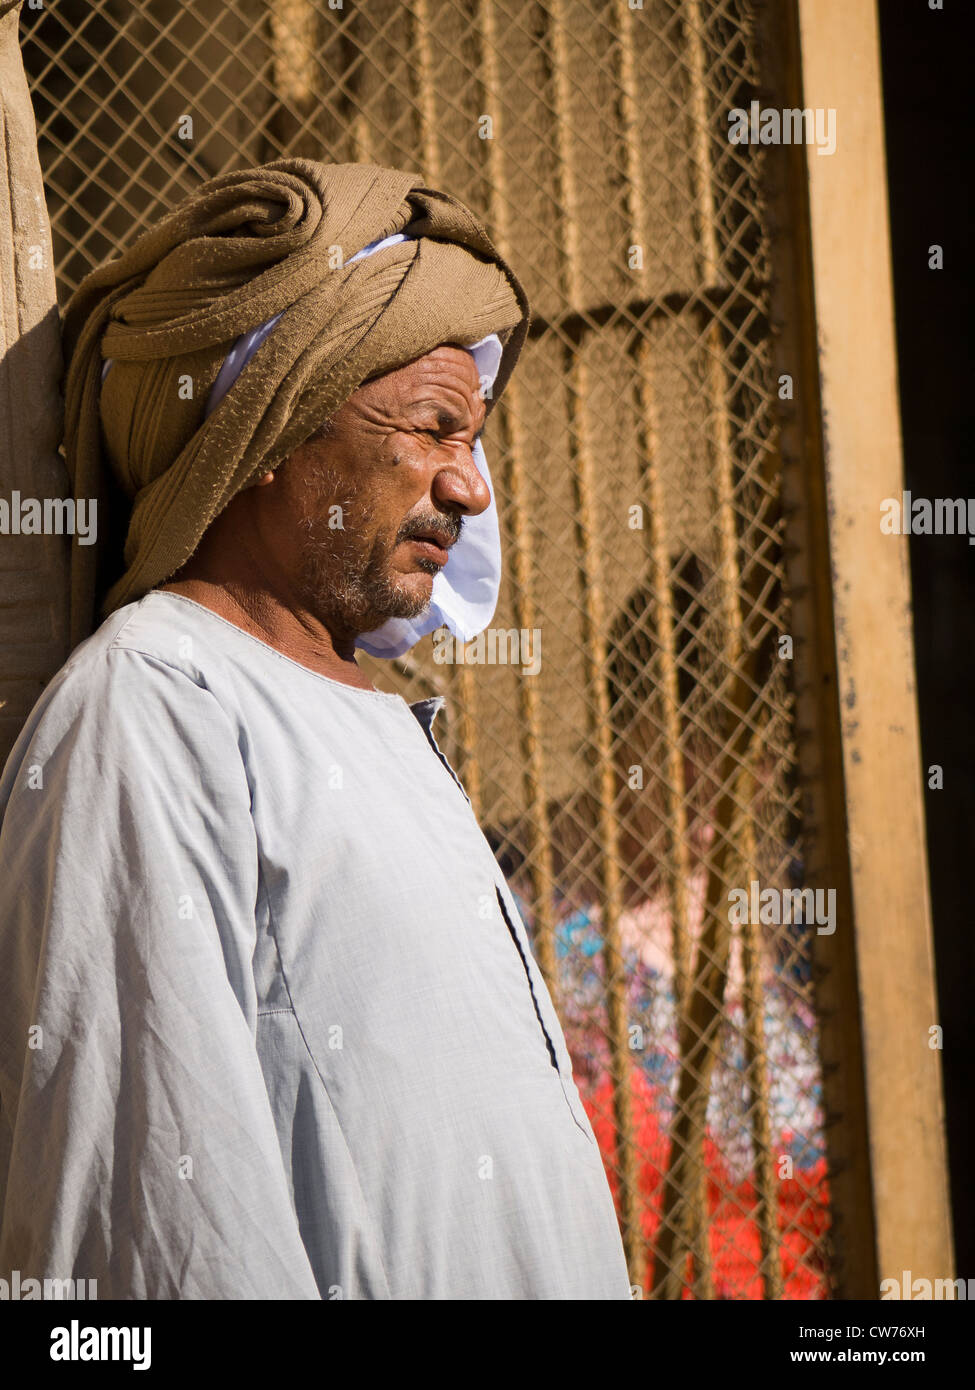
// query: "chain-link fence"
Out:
[625,728]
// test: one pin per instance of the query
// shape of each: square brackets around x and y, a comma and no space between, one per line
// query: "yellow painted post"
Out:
[849,265]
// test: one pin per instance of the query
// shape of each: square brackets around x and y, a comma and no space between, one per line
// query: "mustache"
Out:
[444,529]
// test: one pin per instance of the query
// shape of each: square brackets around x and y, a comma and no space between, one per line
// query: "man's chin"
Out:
[408,596]
[365,603]
[411,605]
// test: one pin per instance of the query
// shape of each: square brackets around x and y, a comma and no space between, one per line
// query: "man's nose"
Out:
[458,481]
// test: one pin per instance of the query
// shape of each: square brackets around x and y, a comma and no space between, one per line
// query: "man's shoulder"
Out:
[160,627]
[142,662]
[130,647]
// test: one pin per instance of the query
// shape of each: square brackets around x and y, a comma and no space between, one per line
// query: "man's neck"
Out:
[260,612]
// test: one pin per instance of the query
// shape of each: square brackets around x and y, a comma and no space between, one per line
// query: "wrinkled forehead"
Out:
[468,369]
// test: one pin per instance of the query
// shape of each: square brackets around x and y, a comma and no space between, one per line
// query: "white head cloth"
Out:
[465,591]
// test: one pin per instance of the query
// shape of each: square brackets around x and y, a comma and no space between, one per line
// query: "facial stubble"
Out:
[345,584]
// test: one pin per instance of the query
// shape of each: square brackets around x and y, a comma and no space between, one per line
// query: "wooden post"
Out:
[33,568]
[858,736]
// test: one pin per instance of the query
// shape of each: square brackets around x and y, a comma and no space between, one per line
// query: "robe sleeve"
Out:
[135,1125]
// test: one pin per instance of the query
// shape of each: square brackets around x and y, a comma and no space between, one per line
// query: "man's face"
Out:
[378,498]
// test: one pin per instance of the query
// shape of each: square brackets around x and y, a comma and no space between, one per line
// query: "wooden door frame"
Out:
[858,736]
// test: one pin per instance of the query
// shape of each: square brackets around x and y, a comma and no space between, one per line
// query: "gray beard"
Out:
[347,588]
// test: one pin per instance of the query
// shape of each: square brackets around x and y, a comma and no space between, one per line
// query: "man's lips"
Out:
[434,543]
[431,548]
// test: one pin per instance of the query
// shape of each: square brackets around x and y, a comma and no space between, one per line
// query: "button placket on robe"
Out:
[426,711]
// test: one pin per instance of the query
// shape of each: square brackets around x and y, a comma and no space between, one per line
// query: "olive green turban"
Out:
[245,247]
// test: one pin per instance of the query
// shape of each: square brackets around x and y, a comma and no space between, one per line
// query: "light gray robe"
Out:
[271,1027]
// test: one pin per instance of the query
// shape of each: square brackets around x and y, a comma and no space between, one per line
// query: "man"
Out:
[271,1026]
